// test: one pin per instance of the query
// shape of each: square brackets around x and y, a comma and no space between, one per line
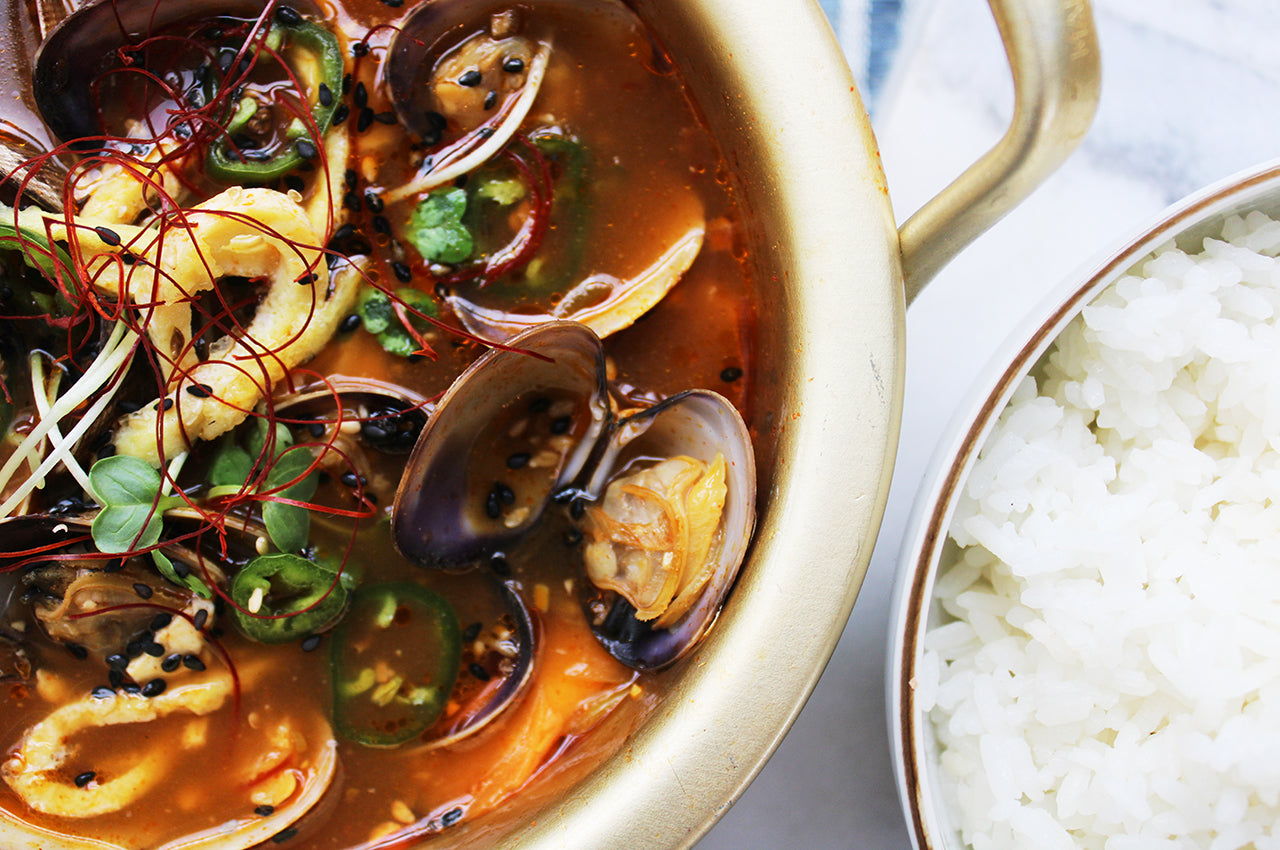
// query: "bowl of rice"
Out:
[1085,645]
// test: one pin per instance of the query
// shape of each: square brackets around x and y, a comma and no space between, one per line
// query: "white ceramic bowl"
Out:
[924,549]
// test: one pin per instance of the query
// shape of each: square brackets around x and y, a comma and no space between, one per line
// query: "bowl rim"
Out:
[913,747]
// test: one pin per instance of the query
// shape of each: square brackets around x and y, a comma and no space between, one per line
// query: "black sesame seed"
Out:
[182,571]
[351,201]
[310,642]
[77,650]
[102,692]
[153,649]
[364,119]
[471,632]
[730,374]
[373,432]
[375,203]
[117,661]
[144,591]
[115,679]
[403,273]
[200,618]
[200,390]
[154,688]
[513,64]
[107,235]
[493,505]
[106,451]
[131,688]
[380,223]
[159,621]
[344,232]
[490,100]
[485,132]
[133,649]
[359,49]
[394,4]
[361,96]
[451,817]
[478,671]
[192,662]
[500,566]
[350,178]
[288,16]
[561,425]
[264,810]
[350,323]
[127,258]
[305,148]
[171,663]
[349,479]
[341,114]
[577,508]
[284,835]
[316,429]
[306,279]
[324,95]
[168,404]
[505,493]
[470,78]
[519,460]
[85,778]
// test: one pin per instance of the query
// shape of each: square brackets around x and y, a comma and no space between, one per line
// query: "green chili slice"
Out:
[316,59]
[395,661]
[286,597]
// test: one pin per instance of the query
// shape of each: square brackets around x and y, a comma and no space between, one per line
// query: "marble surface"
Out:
[1188,98]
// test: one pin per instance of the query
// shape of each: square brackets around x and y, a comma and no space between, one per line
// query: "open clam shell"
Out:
[526,425]
[84,46]
[701,425]
[465,492]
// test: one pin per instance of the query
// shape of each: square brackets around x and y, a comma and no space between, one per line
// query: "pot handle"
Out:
[1053,56]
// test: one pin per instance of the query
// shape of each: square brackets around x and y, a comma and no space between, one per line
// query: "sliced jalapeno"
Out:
[395,661]
[254,149]
[286,597]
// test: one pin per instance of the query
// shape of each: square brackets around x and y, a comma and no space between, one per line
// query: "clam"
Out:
[664,497]
[390,416]
[463,76]
[83,53]
[504,649]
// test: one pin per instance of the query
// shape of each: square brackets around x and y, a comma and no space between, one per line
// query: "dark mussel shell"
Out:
[85,46]
[460,498]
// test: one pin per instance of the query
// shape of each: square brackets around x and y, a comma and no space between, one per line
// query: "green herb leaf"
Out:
[124,480]
[396,338]
[436,229]
[256,440]
[289,526]
[231,464]
[192,582]
[124,528]
[376,313]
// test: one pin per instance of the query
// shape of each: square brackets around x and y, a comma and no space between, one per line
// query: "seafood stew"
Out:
[372,388]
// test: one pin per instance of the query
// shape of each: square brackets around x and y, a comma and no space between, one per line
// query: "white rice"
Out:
[1109,675]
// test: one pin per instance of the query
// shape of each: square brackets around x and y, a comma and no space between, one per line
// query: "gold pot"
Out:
[836,276]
